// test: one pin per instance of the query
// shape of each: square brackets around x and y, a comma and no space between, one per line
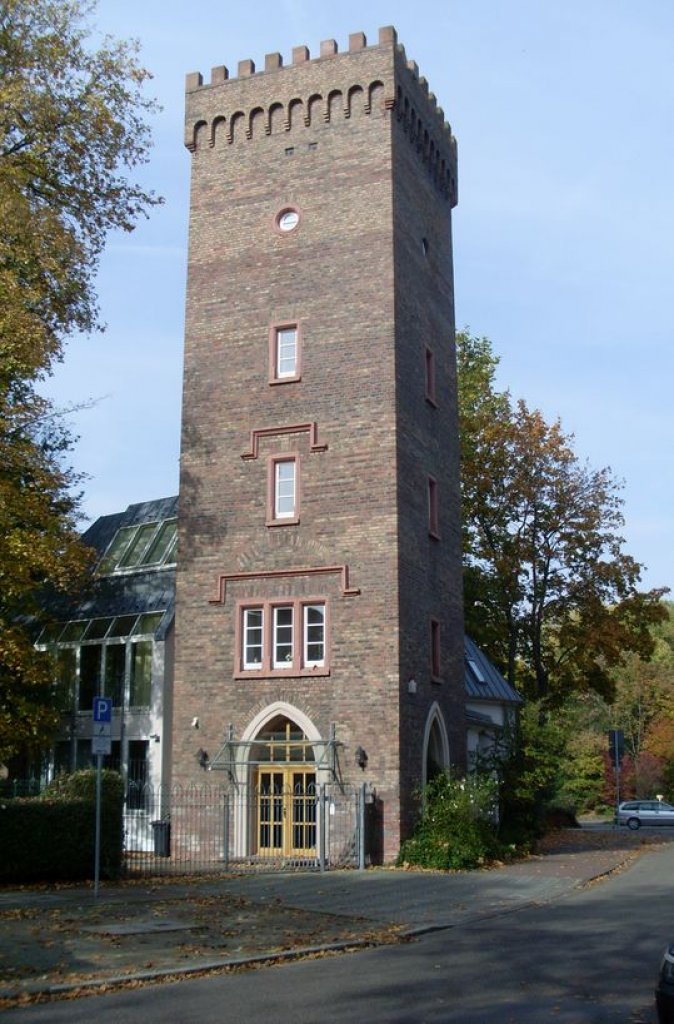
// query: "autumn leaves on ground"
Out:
[108,939]
[137,929]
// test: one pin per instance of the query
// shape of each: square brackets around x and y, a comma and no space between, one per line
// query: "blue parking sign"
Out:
[102,709]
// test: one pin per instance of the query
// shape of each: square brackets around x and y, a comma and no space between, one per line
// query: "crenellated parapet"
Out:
[423,121]
[285,100]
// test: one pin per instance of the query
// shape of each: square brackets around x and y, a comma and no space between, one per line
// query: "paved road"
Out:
[589,957]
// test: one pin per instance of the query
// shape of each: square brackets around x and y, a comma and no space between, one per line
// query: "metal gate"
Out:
[285,822]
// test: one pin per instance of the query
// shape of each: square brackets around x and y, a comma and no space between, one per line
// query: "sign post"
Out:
[101,743]
[616,749]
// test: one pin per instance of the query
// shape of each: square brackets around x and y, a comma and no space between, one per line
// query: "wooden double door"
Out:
[287,811]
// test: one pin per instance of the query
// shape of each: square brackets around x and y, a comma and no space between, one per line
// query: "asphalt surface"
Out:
[58,941]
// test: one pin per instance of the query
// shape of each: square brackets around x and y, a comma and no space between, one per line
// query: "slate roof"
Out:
[136,593]
[100,533]
[145,590]
[495,687]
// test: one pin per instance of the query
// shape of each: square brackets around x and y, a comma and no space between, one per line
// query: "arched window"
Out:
[436,746]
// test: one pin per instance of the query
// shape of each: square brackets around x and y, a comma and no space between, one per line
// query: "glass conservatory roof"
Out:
[143,546]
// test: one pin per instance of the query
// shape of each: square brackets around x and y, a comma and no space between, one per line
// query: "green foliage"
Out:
[549,592]
[81,785]
[457,827]
[530,775]
[643,709]
[582,772]
[65,814]
[72,117]
[72,125]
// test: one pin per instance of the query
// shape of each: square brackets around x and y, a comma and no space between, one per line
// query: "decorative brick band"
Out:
[295,428]
[321,570]
[298,112]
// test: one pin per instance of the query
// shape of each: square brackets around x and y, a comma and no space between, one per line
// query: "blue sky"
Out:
[564,233]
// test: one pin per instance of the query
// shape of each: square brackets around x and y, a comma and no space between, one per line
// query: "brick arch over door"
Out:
[281,709]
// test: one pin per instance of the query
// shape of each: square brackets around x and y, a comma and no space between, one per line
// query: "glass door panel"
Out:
[303,799]
[271,812]
[287,814]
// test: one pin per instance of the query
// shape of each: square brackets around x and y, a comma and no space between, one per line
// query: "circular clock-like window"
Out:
[287,220]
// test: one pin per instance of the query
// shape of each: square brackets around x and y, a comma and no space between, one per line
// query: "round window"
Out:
[288,220]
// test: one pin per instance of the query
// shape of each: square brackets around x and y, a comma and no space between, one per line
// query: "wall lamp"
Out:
[203,758]
[360,757]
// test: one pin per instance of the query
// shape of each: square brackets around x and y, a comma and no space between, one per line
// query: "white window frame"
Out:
[307,661]
[283,637]
[284,642]
[286,351]
[246,629]
[285,489]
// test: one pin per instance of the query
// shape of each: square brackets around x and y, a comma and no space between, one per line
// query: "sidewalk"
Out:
[62,939]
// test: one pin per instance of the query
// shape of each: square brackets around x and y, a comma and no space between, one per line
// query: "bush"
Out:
[458,826]
[560,816]
[66,814]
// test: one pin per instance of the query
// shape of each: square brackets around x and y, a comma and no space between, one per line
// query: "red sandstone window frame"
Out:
[286,640]
[433,513]
[429,376]
[276,516]
[275,332]
[435,651]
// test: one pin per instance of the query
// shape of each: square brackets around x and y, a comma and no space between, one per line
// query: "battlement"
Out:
[300,55]
[312,92]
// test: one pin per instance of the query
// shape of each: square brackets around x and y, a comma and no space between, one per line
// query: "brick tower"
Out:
[319,617]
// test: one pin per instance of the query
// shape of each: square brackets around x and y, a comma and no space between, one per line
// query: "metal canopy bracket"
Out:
[235,754]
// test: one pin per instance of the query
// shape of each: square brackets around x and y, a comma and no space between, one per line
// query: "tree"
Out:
[642,708]
[73,123]
[582,779]
[548,589]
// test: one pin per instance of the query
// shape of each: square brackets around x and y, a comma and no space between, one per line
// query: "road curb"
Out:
[211,966]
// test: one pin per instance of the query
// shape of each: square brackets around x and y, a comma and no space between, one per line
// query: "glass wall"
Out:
[111,657]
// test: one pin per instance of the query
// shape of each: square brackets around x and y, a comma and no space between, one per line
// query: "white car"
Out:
[635,813]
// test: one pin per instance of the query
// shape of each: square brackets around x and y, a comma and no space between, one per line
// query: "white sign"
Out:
[101,744]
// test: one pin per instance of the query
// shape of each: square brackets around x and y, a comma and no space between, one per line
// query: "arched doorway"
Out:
[436,746]
[284,776]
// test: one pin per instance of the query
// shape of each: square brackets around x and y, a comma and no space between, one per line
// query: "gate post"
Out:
[321,826]
[360,828]
[225,830]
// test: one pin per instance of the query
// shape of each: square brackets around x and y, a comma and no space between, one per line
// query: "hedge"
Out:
[52,837]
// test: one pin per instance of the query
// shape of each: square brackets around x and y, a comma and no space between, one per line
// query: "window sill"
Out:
[285,380]
[290,521]
[281,673]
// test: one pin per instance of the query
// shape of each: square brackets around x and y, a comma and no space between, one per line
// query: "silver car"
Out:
[635,813]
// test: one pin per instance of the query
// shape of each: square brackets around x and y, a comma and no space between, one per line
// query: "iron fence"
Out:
[213,828]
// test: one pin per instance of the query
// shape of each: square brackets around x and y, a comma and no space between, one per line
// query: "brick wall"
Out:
[353,143]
